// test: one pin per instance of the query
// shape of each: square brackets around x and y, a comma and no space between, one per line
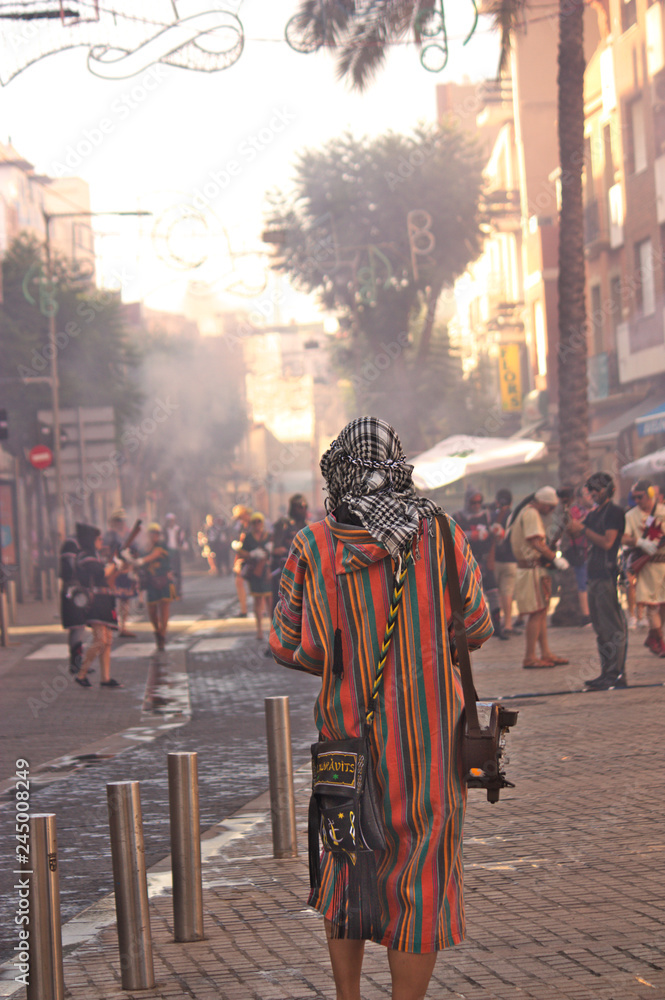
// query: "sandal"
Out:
[113,683]
[536,664]
[556,661]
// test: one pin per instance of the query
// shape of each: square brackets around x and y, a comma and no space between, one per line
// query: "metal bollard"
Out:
[280,766]
[185,846]
[11,601]
[130,885]
[46,980]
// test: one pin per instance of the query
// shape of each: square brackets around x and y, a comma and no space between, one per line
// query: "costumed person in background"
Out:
[645,527]
[176,543]
[241,516]
[335,597]
[254,551]
[126,584]
[206,550]
[96,573]
[533,587]
[476,523]
[160,589]
[219,540]
[603,528]
[505,567]
[73,604]
[284,530]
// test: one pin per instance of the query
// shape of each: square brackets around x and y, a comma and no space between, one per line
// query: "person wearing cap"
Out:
[126,585]
[160,589]
[645,527]
[603,528]
[533,587]
[96,577]
[255,546]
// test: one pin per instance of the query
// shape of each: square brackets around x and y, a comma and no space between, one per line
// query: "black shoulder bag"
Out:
[482,742]
[345,810]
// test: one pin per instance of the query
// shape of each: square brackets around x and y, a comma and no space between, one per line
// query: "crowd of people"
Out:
[101,574]
[523,553]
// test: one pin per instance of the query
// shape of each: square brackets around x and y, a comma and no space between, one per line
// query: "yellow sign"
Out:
[510,377]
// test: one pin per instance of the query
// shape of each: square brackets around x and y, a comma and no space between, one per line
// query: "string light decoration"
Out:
[121,43]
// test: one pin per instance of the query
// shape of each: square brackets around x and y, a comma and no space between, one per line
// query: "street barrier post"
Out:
[45,975]
[280,766]
[185,846]
[130,885]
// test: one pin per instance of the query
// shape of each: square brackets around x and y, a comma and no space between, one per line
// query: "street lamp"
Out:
[55,386]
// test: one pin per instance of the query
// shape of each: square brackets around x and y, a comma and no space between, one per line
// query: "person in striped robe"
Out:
[330,619]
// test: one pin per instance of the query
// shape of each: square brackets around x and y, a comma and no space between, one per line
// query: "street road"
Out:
[227,688]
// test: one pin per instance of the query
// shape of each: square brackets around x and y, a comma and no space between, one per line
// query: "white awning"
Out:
[647,466]
[462,455]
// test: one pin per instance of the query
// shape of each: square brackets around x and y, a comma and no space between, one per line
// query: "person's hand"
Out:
[481,532]
[574,528]
[497,531]
[648,545]
[561,563]
[139,562]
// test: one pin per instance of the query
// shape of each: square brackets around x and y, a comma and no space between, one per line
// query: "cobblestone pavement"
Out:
[564,876]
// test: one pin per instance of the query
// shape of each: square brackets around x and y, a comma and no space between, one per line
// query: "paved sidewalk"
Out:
[564,876]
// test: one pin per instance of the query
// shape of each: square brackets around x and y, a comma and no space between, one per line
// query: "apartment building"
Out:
[508,300]
[24,198]
[624,195]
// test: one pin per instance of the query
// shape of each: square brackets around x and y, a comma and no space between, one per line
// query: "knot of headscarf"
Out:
[366,469]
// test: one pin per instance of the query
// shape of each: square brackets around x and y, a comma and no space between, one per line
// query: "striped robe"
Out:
[336,574]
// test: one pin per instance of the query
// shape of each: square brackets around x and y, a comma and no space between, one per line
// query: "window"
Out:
[645,293]
[616,301]
[637,135]
[628,14]
[597,320]
[608,171]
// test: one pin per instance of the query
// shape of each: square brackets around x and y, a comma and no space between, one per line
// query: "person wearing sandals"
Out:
[533,586]
[96,578]
[334,600]
[160,588]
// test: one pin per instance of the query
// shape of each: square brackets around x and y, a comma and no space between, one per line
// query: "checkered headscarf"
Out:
[365,468]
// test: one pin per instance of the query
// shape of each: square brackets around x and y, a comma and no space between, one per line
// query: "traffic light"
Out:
[4,427]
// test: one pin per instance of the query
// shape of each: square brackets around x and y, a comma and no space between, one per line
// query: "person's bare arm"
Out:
[541,546]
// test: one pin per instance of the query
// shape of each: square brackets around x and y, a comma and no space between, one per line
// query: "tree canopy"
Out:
[377,228]
[96,362]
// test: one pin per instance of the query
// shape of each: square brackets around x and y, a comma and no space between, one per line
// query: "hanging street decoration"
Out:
[121,42]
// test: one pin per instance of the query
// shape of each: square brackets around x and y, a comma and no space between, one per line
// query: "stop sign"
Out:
[40,456]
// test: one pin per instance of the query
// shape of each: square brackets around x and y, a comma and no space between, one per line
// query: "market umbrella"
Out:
[647,466]
[462,455]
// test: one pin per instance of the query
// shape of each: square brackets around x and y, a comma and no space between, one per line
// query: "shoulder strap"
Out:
[395,602]
[457,609]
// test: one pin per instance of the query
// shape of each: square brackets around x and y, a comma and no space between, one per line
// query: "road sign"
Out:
[40,456]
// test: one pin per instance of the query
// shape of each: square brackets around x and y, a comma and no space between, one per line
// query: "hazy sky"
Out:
[200,149]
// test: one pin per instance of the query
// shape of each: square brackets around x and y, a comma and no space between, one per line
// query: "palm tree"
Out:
[362,32]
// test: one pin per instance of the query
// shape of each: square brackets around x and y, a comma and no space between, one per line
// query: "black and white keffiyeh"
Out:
[366,469]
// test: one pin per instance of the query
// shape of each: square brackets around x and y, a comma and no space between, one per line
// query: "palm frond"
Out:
[507,15]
